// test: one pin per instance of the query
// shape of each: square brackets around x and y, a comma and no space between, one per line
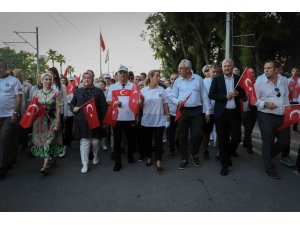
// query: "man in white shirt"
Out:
[11,100]
[126,118]
[272,95]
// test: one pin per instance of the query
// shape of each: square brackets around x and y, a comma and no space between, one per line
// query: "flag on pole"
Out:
[178,113]
[294,87]
[247,83]
[71,87]
[112,113]
[134,99]
[91,115]
[66,72]
[102,44]
[33,111]
[107,56]
[291,116]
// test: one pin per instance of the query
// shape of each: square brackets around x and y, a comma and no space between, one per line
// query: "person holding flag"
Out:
[89,108]
[227,113]
[123,99]
[191,97]
[46,132]
[272,96]
[294,88]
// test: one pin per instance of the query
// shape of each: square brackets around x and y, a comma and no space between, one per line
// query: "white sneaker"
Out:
[104,147]
[84,169]
[63,152]
[96,160]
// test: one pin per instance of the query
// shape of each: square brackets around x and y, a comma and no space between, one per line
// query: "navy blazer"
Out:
[218,93]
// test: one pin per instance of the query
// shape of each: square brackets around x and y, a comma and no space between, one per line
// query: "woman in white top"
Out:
[155,117]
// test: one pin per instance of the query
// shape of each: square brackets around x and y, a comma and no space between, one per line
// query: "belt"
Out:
[229,110]
[191,108]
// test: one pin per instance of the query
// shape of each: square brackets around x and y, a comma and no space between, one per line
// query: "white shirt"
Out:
[10,87]
[153,111]
[229,82]
[265,92]
[182,88]
[171,105]
[207,83]
[124,112]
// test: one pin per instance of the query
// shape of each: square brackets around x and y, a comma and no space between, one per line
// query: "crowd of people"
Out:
[187,109]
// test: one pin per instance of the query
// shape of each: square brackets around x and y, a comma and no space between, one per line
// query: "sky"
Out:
[76,36]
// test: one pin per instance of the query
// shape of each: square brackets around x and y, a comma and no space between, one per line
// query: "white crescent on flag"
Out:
[247,80]
[34,112]
[87,109]
[293,112]
[121,92]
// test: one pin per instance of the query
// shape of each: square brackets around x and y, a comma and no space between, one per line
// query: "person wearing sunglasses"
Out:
[272,95]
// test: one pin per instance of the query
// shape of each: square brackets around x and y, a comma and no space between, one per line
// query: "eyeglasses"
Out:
[278,92]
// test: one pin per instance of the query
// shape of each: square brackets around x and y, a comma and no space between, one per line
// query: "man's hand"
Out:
[76,109]
[270,105]
[229,96]
[207,118]
[14,119]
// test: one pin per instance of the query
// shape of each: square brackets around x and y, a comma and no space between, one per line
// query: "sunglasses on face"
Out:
[278,92]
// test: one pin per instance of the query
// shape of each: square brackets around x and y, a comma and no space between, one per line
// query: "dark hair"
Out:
[275,63]
[102,81]
[56,78]
[67,81]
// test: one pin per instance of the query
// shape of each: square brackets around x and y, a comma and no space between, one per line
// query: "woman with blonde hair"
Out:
[155,117]
[46,134]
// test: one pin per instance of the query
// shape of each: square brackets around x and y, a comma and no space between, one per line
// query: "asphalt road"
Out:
[139,188]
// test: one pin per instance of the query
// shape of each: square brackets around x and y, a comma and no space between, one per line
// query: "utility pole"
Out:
[26,42]
[228,42]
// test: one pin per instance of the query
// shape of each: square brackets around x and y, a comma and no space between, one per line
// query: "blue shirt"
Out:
[183,87]
[229,82]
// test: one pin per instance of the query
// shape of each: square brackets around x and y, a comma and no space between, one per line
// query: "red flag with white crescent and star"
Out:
[33,111]
[112,113]
[134,99]
[291,116]
[71,87]
[178,113]
[90,112]
[294,87]
[247,83]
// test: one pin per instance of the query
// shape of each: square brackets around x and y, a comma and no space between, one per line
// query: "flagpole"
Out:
[240,78]
[108,61]
[100,55]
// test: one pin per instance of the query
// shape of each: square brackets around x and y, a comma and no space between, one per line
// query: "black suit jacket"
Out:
[218,93]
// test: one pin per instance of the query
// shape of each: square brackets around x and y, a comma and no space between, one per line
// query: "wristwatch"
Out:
[16,113]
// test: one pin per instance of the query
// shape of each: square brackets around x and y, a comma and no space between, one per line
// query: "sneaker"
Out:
[206,155]
[62,154]
[84,169]
[195,160]
[273,175]
[287,162]
[117,167]
[103,145]
[96,160]
[141,158]
[183,164]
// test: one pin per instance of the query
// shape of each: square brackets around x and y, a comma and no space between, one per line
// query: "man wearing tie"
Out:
[227,112]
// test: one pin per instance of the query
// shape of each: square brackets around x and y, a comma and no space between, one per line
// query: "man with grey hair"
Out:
[190,84]
[227,112]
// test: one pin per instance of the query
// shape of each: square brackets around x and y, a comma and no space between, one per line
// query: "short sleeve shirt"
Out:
[10,87]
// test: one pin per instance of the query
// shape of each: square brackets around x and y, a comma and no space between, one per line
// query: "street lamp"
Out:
[26,42]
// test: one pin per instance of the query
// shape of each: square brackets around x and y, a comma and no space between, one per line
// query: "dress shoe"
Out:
[224,171]
[273,175]
[117,167]
[44,171]
[183,164]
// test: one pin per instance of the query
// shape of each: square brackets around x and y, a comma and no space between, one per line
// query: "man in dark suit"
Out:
[227,112]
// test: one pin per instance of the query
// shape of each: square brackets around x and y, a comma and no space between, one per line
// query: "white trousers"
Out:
[85,146]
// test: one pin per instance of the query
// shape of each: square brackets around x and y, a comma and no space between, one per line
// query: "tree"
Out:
[70,69]
[61,60]
[52,56]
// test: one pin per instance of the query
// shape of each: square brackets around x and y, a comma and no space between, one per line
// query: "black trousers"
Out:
[68,131]
[229,134]
[171,131]
[148,133]
[268,124]
[192,120]
[249,119]
[129,130]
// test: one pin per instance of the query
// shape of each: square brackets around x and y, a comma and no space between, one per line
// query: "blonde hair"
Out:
[150,74]
[44,75]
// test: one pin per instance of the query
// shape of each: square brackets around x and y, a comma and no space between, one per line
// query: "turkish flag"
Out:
[91,115]
[102,45]
[77,80]
[66,73]
[134,99]
[33,111]
[294,87]
[178,113]
[247,83]
[71,88]
[291,116]
[112,113]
